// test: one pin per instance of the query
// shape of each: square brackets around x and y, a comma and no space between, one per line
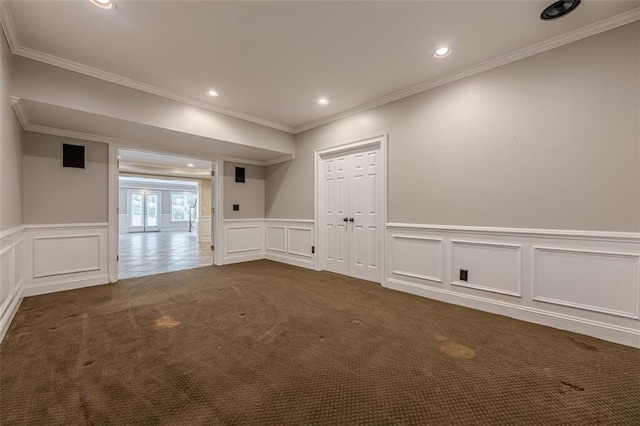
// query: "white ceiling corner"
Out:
[604,22]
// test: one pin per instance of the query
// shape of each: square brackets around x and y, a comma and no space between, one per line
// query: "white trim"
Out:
[413,274]
[266,238]
[614,333]
[67,271]
[378,141]
[289,220]
[256,219]
[556,233]
[288,234]
[218,240]
[11,231]
[65,226]
[10,312]
[66,284]
[636,257]
[17,49]
[302,263]
[552,43]
[113,240]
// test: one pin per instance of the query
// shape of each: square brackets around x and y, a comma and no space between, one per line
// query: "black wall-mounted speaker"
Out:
[240,174]
[72,156]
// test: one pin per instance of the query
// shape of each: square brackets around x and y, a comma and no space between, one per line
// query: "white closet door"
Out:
[365,233]
[336,209]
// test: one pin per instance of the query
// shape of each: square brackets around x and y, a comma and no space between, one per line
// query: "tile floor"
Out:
[149,253]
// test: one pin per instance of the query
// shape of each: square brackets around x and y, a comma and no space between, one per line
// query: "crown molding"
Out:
[8,26]
[17,49]
[552,43]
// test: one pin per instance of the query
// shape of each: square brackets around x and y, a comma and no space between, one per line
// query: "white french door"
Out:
[144,211]
[351,217]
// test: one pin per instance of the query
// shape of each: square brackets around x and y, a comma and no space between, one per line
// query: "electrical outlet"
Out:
[464,274]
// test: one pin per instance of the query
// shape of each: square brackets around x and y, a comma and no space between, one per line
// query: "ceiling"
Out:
[134,161]
[271,61]
[44,117]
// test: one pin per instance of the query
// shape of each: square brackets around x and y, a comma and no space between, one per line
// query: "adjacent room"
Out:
[270,213]
[164,213]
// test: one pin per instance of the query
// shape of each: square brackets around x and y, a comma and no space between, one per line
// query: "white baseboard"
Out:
[302,263]
[243,258]
[65,284]
[613,333]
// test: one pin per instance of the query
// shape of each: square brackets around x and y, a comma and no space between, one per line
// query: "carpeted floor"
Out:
[266,343]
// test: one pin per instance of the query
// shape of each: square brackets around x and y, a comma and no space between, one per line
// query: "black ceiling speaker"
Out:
[558,9]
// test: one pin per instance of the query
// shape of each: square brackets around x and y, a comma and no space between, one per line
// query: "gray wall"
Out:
[53,194]
[250,195]
[551,141]
[10,148]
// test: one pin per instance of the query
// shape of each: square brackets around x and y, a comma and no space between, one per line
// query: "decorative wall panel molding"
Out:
[583,281]
[416,257]
[496,266]
[601,281]
[291,241]
[244,240]
[64,257]
[11,275]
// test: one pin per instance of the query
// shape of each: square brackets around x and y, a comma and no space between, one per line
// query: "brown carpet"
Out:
[266,343]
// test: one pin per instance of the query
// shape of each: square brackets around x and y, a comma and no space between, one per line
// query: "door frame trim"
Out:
[380,141]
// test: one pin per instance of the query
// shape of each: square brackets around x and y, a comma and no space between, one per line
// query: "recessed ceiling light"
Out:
[323,101]
[103,4]
[119,157]
[558,9]
[442,52]
[190,165]
[211,93]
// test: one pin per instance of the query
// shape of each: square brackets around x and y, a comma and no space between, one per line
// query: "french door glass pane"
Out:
[136,210]
[152,210]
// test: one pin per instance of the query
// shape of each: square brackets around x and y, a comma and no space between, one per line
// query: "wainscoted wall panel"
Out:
[6,274]
[291,241]
[582,281]
[495,267]
[606,281]
[65,254]
[64,257]
[11,275]
[276,238]
[300,241]
[416,257]
[244,240]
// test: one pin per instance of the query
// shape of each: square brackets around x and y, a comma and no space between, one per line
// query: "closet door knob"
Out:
[350,219]
[346,219]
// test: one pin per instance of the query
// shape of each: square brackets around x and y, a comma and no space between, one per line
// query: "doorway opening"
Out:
[164,213]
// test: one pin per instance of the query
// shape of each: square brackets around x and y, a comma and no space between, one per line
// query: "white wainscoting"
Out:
[204,229]
[586,282]
[11,275]
[290,241]
[64,257]
[166,225]
[243,240]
